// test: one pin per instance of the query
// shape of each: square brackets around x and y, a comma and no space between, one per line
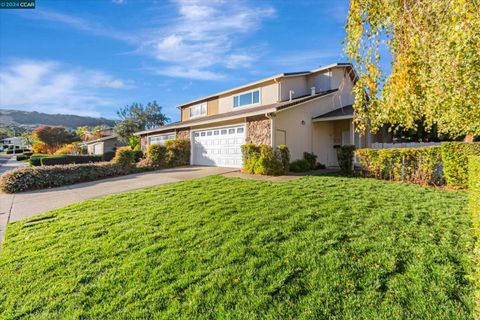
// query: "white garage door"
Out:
[218,147]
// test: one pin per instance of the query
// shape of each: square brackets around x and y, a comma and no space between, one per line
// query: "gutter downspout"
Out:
[271,116]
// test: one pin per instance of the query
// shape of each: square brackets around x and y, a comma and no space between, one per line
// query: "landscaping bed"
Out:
[313,248]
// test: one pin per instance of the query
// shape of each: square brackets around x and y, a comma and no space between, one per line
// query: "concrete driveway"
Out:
[27,204]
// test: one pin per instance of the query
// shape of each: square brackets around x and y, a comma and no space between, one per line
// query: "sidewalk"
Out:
[15,207]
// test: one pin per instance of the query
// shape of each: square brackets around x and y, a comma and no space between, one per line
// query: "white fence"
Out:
[378,145]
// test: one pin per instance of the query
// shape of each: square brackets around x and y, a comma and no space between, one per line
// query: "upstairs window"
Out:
[245,99]
[198,110]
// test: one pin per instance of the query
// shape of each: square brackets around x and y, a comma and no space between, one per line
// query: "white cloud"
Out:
[52,87]
[119,1]
[198,42]
[95,28]
[204,36]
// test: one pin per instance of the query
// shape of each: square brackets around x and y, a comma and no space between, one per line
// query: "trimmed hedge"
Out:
[22,157]
[156,155]
[108,156]
[35,159]
[265,160]
[10,151]
[173,153]
[345,156]
[300,165]
[474,209]
[69,159]
[178,152]
[420,165]
[31,178]
[455,161]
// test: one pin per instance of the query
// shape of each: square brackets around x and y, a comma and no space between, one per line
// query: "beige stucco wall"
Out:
[212,108]
[268,95]
[320,80]
[105,146]
[298,136]
[297,84]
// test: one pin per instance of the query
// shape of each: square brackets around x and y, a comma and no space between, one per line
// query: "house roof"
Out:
[101,139]
[245,112]
[345,112]
[277,76]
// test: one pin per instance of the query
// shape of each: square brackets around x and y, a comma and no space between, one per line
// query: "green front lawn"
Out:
[314,248]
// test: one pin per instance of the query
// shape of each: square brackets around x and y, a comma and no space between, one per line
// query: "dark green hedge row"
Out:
[308,163]
[474,208]
[435,165]
[265,160]
[69,159]
[455,161]
[416,165]
[31,178]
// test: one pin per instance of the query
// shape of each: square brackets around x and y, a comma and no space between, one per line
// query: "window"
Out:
[245,99]
[209,133]
[198,110]
[240,130]
[231,131]
[160,139]
[216,132]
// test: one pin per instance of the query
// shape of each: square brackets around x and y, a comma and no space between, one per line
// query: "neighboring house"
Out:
[308,111]
[13,141]
[103,145]
[87,136]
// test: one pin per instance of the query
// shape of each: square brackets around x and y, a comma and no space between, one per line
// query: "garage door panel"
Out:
[218,147]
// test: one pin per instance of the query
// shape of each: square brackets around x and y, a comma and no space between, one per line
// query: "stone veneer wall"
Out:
[183,133]
[258,130]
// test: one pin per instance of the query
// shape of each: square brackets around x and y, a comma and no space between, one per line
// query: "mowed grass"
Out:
[224,248]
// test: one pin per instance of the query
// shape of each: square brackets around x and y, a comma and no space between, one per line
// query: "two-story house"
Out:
[308,111]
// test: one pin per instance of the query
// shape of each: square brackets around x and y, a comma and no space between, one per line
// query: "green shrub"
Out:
[124,157]
[178,152]
[455,161]
[416,165]
[31,178]
[138,155]
[22,157]
[250,155]
[69,159]
[345,159]
[35,159]
[474,209]
[300,165]
[311,159]
[108,156]
[17,150]
[264,160]
[156,155]
[284,156]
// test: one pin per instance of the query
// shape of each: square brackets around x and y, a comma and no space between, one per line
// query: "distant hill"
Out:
[32,119]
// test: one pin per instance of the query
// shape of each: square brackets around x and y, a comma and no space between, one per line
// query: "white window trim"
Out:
[200,115]
[159,135]
[246,92]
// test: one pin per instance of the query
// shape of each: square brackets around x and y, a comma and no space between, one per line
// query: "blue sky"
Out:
[91,57]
